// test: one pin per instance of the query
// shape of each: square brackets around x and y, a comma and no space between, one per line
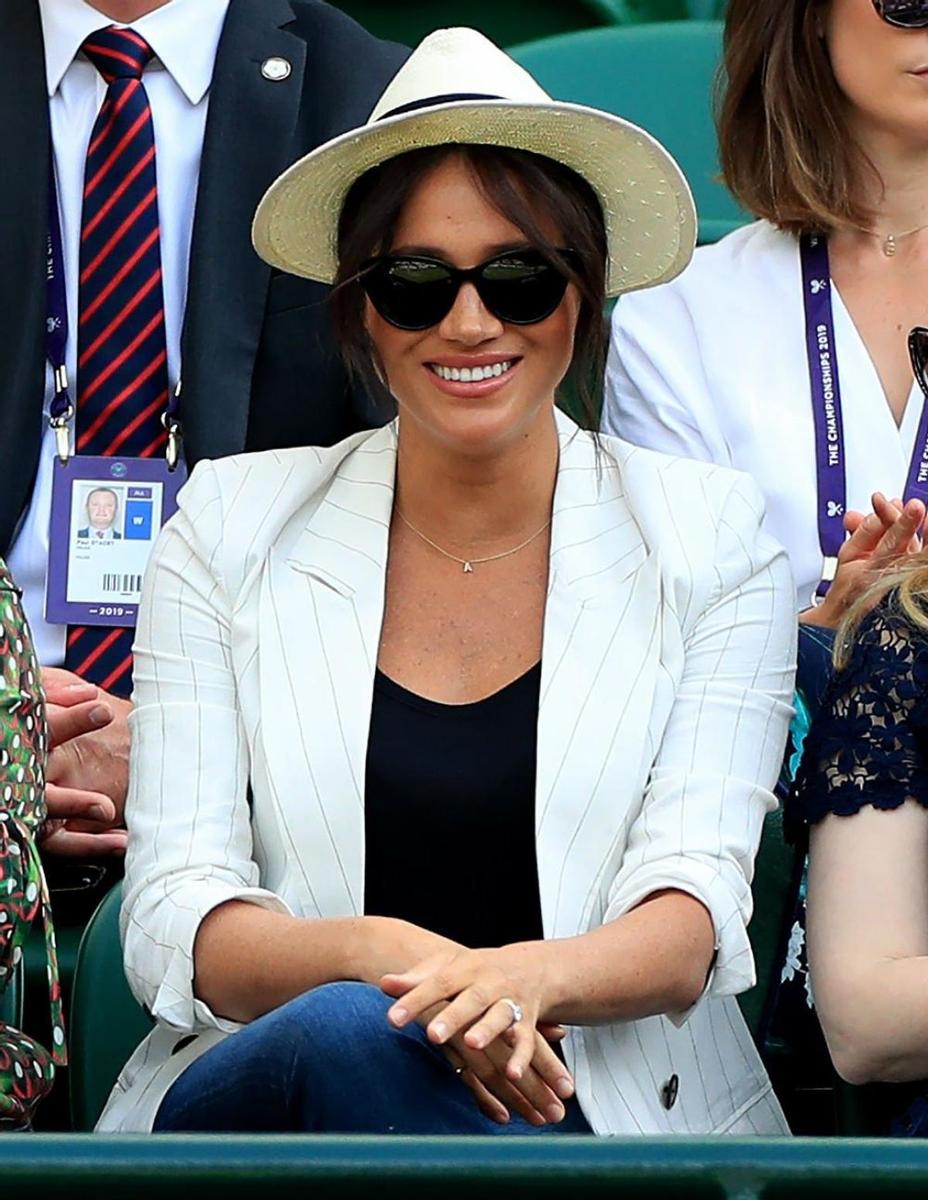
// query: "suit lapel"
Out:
[330,584]
[601,642]
[248,140]
[23,231]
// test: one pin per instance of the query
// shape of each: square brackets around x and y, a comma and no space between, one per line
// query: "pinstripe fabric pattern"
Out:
[666,680]
[122,373]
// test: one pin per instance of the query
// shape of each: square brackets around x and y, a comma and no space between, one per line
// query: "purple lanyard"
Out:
[831,476]
[56,337]
[61,409]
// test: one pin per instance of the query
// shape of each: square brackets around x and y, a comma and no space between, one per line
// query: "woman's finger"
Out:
[497,1019]
[529,1098]
[895,541]
[441,984]
[531,1088]
[474,1004]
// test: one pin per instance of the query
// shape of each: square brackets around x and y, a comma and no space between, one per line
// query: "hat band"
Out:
[431,101]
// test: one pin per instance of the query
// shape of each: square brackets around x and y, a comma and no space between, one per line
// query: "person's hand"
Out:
[87,771]
[462,997]
[878,540]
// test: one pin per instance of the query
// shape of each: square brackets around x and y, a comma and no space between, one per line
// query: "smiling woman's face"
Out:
[882,70]
[447,217]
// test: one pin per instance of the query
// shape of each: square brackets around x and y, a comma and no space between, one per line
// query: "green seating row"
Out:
[662,77]
[326,1168]
[509,21]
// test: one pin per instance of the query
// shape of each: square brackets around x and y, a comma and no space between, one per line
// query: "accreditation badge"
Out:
[106,515]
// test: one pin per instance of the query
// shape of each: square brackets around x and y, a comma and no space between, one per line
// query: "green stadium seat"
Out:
[107,1023]
[775,890]
[503,21]
[662,77]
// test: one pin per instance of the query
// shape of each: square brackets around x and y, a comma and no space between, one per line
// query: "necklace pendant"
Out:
[889,246]
[468,569]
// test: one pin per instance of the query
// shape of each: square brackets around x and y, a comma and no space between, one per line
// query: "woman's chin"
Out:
[474,431]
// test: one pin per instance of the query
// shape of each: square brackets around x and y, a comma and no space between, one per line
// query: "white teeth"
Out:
[472,374]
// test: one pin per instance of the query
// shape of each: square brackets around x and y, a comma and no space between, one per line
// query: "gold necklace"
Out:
[890,240]
[469,563]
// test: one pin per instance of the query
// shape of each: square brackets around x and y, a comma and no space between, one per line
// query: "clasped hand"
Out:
[460,997]
[87,772]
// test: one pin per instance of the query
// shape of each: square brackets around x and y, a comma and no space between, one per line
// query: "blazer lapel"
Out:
[248,140]
[23,232]
[600,652]
[330,586]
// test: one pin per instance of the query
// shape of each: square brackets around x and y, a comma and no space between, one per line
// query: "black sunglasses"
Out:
[904,14]
[414,292]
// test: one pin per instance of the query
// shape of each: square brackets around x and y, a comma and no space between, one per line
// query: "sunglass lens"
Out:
[908,14]
[410,293]
[521,289]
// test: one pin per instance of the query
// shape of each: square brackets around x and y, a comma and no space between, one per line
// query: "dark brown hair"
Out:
[520,185]
[786,149]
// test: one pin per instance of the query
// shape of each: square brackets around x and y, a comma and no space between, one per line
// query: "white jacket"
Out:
[667,676]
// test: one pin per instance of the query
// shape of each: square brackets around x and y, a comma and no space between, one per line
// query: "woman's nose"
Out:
[469,321]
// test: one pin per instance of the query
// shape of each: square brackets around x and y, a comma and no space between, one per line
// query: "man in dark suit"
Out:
[258,368]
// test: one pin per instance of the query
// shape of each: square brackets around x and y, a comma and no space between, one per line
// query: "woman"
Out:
[863,789]
[508,713]
[782,350]
[27,1070]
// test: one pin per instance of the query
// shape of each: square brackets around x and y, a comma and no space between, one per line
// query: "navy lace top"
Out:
[868,743]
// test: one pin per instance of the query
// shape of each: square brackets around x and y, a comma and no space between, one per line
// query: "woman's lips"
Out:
[491,375]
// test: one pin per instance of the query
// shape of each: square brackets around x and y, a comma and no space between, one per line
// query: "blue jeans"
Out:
[329,1062]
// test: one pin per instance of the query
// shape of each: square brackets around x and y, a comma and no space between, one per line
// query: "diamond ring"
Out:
[516,1009]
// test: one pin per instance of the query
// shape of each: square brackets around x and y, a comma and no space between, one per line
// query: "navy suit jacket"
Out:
[259,367]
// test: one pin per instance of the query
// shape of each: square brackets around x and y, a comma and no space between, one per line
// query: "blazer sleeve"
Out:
[187,811]
[657,393]
[710,786]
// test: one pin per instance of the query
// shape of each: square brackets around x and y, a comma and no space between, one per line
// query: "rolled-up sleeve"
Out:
[711,784]
[187,811]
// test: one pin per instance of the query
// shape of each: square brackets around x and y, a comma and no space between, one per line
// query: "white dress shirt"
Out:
[713,366]
[184,36]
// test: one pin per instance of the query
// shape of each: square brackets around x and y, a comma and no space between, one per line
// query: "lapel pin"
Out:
[275,69]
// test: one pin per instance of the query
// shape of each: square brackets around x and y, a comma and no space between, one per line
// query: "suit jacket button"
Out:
[670,1091]
[275,69]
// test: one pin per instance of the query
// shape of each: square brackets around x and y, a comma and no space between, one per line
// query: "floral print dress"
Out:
[27,1070]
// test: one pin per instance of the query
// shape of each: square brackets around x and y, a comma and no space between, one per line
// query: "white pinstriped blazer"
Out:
[665,698]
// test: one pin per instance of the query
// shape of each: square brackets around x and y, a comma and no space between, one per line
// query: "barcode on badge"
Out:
[125,585]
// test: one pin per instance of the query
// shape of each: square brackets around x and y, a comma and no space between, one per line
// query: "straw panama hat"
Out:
[458,87]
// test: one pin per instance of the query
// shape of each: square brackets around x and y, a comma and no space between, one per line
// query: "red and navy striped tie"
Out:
[122,377]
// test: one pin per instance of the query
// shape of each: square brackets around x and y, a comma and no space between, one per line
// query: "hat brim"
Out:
[647,204]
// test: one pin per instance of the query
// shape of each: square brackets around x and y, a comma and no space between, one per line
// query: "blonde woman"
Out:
[862,789]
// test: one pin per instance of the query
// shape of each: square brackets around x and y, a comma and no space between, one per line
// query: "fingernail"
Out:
[555,1113]
[439,1031]
[100,715]
[564,1087]
[101,812]
[398,1015]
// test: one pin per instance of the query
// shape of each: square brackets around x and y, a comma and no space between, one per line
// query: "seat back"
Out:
[775,891]
[107,1023]
[660,76]
[503,21]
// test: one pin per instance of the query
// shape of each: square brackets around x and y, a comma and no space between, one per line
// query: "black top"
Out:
[450,813]
[868,742]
